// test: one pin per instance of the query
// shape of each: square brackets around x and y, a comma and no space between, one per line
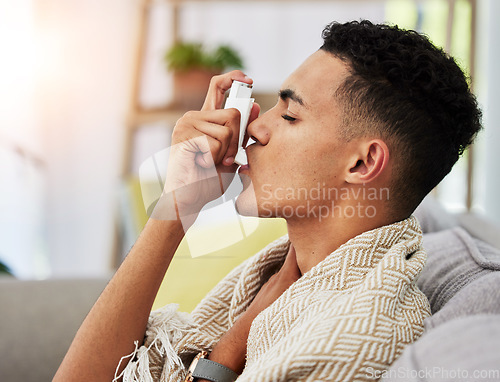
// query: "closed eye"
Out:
[286,117]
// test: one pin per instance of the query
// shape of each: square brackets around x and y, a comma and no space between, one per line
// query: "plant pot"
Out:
[190,88]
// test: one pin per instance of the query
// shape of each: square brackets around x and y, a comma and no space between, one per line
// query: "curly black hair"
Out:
[409,92]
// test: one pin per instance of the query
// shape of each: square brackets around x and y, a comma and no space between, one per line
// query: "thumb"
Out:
[254,113]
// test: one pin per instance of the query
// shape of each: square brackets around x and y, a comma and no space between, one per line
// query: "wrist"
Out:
[164,232]
[167,208]
[203,369]
[232,359]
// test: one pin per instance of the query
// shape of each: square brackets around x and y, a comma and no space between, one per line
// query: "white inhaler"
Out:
[239,98]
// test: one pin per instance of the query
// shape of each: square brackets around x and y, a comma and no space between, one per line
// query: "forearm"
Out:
[120,315]
[231,350]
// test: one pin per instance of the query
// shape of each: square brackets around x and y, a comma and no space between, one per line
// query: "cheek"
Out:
[309,171]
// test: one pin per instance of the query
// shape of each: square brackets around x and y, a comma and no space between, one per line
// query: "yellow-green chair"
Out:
[189,278]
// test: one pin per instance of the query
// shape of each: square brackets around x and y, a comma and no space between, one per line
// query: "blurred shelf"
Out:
[170,114]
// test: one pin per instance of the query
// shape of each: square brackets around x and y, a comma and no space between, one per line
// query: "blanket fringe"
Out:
[166,326]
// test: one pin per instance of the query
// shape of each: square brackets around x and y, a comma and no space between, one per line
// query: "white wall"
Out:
[21,169]
[489,41]
[273,37]
[75,117]
[83,97]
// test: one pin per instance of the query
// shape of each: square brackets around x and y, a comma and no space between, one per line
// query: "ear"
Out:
[369,162]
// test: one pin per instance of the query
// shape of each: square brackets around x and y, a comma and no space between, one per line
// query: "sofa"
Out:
[38,321]
[461,279]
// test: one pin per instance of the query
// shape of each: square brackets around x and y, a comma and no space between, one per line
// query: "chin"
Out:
[246,203]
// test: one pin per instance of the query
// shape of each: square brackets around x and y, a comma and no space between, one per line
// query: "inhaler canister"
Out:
[239,98]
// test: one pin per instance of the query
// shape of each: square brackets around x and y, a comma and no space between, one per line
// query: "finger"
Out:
[197,147]
[204,147]
[254,113]
[218,87]
[225,129]
[232,148]
[221,134]
[222,125]
[223,117]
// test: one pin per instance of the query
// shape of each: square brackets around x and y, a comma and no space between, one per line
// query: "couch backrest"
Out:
[461,276]
[38,321]
[461,342]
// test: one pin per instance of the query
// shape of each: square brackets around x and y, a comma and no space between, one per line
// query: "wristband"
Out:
[209,370]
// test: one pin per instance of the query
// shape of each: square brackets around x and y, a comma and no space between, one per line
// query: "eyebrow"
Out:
[287,94]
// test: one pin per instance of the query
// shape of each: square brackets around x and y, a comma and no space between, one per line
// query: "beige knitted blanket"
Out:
[347,319]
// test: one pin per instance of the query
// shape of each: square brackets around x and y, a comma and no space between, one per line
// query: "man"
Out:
[362,131]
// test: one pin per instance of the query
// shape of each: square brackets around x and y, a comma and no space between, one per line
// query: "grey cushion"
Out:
[480,296]
[38,322]
[433,217]
[465,349]
[462,282]
[455,260]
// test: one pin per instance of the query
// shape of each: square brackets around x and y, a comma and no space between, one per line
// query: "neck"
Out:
[314,239]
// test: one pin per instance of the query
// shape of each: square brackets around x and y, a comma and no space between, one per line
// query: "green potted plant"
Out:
[4,269]
[193,66]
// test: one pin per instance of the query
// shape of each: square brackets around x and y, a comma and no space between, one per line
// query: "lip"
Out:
[243,168]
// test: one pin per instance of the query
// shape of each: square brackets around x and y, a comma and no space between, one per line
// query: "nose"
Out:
[258,130]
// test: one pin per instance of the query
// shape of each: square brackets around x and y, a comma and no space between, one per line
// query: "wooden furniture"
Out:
[138,115]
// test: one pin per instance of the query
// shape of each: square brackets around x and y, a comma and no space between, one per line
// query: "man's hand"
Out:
[204,144]
[231,350]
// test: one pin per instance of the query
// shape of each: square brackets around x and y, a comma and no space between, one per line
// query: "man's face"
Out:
[298,144]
